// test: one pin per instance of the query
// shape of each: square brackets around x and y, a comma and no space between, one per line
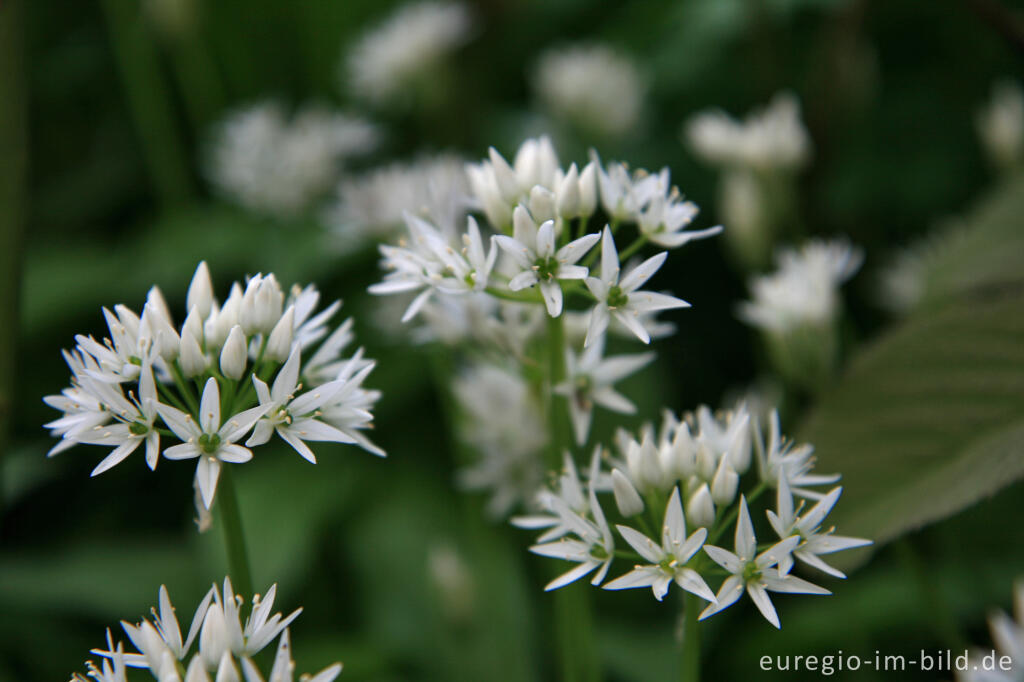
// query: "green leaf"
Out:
[929,419]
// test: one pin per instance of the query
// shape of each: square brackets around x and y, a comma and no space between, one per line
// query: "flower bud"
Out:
[193,324]
[200,291]
[485,187]
[192,360]
[700,510]
[542,204]
[508,183]
[723,486]
[219,324]
[196,671]
[684,451]
[706,461]
[261,305]
[279,345]
[569,194]
[213,638]
[168,344]
[626,497]
[588,190]
[234,355]
[226,671]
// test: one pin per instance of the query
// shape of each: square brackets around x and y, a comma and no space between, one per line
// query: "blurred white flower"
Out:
[1008,636]
[388,60]
[1000,125]
[804,289]
[770,138]
[593,548]
[454,582]
[593,86]
[372,205]
[502,421]
[779,458]
[270,162]
[222,642]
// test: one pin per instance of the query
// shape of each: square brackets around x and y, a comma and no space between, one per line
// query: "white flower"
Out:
[620,298]
[787,522]
[770,138]
[296,418]
[1000,125]
[1008,636]
[499,187]
[270,162]
[781,459]
[804,289]
[373,205]
[593,86]
[593,549]
[668,561]
[388,61]
[534,251]
[571,496]
[211,440]
[756,573]
[589,382]
[430,263]
[649,200]
[223,643]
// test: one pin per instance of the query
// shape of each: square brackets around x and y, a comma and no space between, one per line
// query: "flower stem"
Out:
[234,537]
[573,618]
[690,664]
[632,248]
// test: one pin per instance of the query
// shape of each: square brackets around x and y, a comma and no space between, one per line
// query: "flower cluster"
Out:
[529,270]
[1000,125]
[593,86]
[271,163]
[223,645]
[232,376]
[678,490]
[396,56]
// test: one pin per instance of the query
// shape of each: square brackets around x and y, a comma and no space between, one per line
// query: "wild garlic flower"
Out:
[534,250]
[590,380]
[650,201]
[216,646]
[804,288]
[757,573]
[780,459]
[772,138]
[619,299]
[592,86]
[504,424]
[373,205]
[270,162]
[693,472]
[1008,636]
[668,561]
[398,55]
[1000,125]
[140,385]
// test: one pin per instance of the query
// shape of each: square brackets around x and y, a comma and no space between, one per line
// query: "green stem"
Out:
[13,195]
[525,296]
[690,664]
[149,101]
[637,244]
[573,618]
[234,536]
[186,392]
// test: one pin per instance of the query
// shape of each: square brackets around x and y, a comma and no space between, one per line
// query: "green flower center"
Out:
[617,299]
[209,443]
[751,572]
[598,552]
[138,428]
[546,268]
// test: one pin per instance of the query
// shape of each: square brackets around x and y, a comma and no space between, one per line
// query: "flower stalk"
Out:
[690,664]
[234,535]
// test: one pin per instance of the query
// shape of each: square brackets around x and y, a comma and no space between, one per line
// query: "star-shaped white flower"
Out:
[589,382]
[594,548]
[781,458]
[757,573]
[295,418]
[533,250]
[620,298]
[808,526]
[669,559]
[211,440]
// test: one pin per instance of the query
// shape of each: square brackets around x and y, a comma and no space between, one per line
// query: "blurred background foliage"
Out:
[119,99]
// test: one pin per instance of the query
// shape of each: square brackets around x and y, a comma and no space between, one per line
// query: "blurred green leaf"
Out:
[930,418]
